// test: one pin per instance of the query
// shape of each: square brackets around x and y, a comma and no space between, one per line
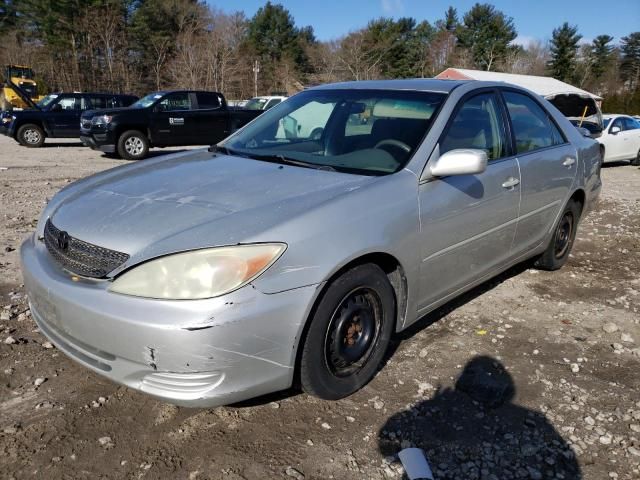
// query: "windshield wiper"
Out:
[289,161]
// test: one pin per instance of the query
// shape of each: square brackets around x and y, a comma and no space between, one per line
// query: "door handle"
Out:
[511,182]
[569,161]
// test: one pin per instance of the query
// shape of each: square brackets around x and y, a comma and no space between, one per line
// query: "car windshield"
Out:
[606,121]
[256,103]
[369,132]
[147,100]
[47,100]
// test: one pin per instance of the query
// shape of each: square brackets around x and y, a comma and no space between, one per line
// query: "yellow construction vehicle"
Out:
[20,89]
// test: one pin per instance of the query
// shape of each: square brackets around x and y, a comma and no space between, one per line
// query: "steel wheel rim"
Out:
[563,235]
[133,146]
[31,135]
[353,332]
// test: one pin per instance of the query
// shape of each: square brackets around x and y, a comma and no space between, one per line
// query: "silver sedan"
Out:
[290,253]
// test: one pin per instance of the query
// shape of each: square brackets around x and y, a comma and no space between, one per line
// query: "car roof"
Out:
[418,84]
[613,115]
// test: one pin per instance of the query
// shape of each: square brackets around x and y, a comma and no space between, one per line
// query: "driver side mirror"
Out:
[462,161]
[615,130]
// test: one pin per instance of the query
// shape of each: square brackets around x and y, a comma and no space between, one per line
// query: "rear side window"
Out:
[478,124]
[208,101]
[532,127]
[630,124]
[93,103]
[69,103]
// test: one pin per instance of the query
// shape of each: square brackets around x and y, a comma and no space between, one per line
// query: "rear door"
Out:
[548,166]
[64,116]
[212,120]
[631,137]
[468,222]
[173,120]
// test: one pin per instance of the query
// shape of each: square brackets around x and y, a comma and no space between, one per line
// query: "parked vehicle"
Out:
[620,139]
[162,119]
[19,82]
[208,277]
[264,103]
[57,115]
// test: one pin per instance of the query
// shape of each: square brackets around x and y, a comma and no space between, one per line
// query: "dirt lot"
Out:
[563,400]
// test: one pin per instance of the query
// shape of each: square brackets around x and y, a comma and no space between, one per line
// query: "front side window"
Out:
[272,103]
[532,127]
[256,103]
[175,101]
[478,124]
[317,129]
[618,123]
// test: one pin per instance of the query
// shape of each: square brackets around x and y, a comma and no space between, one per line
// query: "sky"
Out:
[534,19]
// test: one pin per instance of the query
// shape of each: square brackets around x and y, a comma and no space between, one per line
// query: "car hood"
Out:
[106,111]
[192,201]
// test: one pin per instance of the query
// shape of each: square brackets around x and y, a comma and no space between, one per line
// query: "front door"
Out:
[172,120]
[468,222]
[548,165]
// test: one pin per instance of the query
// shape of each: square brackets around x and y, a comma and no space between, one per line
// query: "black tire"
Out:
[133,145]
[349,333]
[561,243]
[30,135]
[636,161]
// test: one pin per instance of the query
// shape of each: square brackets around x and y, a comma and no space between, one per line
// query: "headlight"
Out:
[198,274]
[101,120]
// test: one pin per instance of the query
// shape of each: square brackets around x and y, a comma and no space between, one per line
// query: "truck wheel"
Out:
[30,135]
[349,333]
[133,145]
[559,248]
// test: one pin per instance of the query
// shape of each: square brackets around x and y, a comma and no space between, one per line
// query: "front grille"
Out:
[81,257]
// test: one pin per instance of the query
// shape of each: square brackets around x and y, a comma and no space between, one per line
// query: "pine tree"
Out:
[564,47]
[486,33]
[630,64]
[600,56]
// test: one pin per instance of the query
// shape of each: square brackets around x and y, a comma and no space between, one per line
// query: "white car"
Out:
[264,103]
[620,139]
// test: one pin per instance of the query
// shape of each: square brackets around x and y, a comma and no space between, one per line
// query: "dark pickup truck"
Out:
[57,115]
[162,119]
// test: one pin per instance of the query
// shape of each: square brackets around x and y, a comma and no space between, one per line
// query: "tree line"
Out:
[143,45]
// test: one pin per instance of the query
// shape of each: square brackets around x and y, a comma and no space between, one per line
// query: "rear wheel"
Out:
[133,145]
[559,248]
[30,135]
[349,333]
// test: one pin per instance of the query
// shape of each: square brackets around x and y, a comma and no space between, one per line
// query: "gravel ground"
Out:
[533,375]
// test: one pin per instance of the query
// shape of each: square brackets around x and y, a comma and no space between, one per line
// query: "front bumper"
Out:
[198,353]
[98,142]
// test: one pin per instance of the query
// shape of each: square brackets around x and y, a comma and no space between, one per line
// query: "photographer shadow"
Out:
[475,431]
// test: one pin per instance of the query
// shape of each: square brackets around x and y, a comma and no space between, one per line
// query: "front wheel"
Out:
[349,333]
[30,135]
[559,248]
[133,145]
[636,161]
